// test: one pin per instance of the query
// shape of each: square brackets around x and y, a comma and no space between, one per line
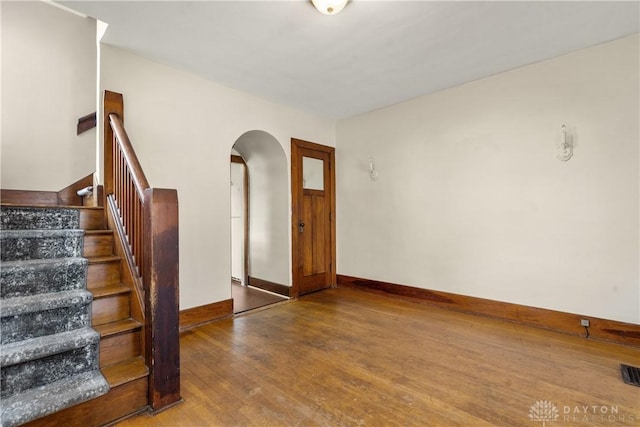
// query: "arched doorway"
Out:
[259,230]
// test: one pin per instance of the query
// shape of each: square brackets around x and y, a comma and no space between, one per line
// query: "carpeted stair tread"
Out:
[44,314]
[40,233]
[21,377]
[36,348]
[30,218]
[37,276]
[40,401]
[41,302]
[40,244]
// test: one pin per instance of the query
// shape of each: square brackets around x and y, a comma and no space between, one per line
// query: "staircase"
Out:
[71,353]
[90,310]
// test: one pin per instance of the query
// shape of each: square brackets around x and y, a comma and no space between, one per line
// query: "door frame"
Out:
[240,160]
[296,204]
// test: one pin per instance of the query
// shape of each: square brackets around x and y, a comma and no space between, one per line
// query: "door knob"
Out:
[301,226]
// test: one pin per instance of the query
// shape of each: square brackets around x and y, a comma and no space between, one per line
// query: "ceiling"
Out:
[371,55]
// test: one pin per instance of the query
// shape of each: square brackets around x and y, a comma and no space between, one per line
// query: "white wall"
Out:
[48,82]
[182,128]
[269,207]
[472,200]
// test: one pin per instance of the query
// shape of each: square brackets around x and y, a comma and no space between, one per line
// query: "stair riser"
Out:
[23,218]
[97,245]
[41,247]
[92,219]
[31,325]
[35,373]
[103,274]
[110,309]
[116,348]
[31,279]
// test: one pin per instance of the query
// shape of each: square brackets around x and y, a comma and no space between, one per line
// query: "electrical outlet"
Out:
[584,322]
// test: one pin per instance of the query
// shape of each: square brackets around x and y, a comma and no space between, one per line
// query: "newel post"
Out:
[160,278]
[112,104]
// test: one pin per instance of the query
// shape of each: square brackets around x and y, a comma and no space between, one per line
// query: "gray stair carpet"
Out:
[48,351]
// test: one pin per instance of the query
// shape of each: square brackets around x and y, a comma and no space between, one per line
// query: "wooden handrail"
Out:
[137,174]
[129,184]
[148,220]
[85,123]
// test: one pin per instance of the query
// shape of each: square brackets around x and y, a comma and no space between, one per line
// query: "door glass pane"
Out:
[312,174]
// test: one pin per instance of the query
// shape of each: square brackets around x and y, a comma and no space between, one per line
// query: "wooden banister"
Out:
[148,218]
[137,174]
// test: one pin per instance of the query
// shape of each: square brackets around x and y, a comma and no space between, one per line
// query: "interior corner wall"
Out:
[48,82]
[472,200]
[182,128]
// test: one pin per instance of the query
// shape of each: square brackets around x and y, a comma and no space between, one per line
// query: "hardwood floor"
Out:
[246,298]
[344,357]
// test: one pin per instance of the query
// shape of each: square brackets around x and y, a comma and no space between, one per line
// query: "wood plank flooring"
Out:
[247,298]
[344,357]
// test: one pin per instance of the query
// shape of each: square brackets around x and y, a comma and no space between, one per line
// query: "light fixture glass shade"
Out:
[329,7]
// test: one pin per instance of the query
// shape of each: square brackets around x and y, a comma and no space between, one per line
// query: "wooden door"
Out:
[313,222]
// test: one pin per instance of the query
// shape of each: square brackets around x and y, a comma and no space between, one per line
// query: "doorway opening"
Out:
[259,264]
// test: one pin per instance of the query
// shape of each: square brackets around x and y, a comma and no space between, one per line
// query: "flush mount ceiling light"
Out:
[329,7]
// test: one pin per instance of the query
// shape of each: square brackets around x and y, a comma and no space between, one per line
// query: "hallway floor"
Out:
[247,298]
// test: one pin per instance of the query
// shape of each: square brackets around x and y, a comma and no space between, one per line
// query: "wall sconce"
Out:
[566,145]
[373,173]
